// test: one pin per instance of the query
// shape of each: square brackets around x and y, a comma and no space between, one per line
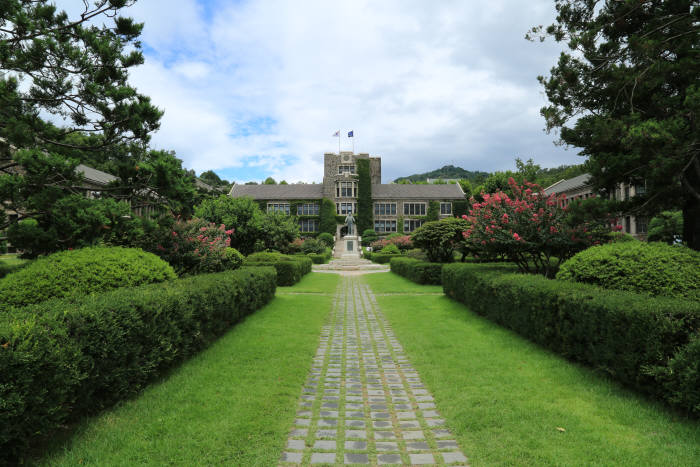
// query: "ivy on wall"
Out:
[433,211]
[327,214]
[365,213]
[460,208]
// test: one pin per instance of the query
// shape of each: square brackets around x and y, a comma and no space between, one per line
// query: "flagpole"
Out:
[338,142]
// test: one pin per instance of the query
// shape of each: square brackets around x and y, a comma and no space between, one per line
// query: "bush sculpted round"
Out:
[81,272]
[649,268]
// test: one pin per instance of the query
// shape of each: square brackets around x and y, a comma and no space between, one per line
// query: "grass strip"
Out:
[508,400]
[231,404]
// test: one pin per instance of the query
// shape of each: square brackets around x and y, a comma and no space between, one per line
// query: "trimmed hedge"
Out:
[60,360]
[320,258]
[647,343]
[290,269]
[81,272]
[421,272]
[380,257]
[649,268]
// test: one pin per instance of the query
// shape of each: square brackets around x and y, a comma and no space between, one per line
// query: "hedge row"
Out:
[60,360]
[290,269]
[320,258]
[421,272]
[651,344]
[380,257]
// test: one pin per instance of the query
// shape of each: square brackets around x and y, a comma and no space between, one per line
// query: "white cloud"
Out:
[260,83]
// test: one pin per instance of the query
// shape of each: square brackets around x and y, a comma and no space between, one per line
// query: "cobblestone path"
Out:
[363,402]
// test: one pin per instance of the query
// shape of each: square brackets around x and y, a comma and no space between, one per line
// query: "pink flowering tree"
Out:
[530,229]
[197,246]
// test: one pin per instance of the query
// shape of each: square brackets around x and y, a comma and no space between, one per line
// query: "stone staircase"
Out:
[350,264]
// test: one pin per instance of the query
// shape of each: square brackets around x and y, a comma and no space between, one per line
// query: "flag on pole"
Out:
[337,133]
[351,133]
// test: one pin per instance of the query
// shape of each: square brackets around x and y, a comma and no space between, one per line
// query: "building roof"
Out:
[95,176]
[272,192]
[563,186]
[400,191]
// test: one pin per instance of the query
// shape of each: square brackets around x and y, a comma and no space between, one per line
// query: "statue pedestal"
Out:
[351,246]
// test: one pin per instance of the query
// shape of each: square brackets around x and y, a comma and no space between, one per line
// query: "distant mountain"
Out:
[448,171]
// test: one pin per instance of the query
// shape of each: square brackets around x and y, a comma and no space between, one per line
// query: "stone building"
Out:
[396,208]
[580,188]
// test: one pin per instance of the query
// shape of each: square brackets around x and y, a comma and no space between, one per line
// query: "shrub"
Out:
[391,249]
[326,239]
[416,253]
[649,268]
[327,220]
[290,269]
[233,259]
[420,272]
[80,272]
[61,360]
[620,237]
[666,227]
[368,236]
[629,336]
[194,246]
[381,257]
[531,229]
[311,245]
[12,265]
[439,239]
[295,246]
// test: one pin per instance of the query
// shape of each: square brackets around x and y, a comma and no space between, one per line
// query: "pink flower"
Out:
[517,237]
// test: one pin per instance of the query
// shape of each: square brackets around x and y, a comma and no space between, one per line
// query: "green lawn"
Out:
[387,283]
[232,404]
[505,398]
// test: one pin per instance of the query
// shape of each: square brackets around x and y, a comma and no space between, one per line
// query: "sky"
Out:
[252,89]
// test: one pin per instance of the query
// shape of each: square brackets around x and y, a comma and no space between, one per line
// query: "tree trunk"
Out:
[691,223]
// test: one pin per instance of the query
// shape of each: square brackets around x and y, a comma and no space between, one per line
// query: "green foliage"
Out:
[420,272]
[650,136]
[80,272]
[416,253]
[629,336]
[10,265]
[467,188]
[666,227]
[253,229]
[647,268]
[440,238]
[327,222]
[290,269]
[210,177]
[390,249]
[269,181]
[365,209]
[320,258]
[327,239]
[312,245]
[433,211]
[621,237]
[233,259]
[73,221]
[368,236]
[65,359]
[381,257]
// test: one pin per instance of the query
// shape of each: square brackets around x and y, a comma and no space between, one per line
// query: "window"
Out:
[641,225]
[342,169]
[640,189]
[627,193]
[384,209]
[278,207]
[414,209]
[345,208]
[409,225]
[310,209]
[345,189]
[384,226]
[446,209]
[628,224]
[308,225]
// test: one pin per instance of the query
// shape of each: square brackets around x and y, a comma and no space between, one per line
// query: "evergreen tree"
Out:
[628,95]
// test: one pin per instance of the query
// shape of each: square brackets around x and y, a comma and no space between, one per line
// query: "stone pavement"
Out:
[363,403]
[343,265]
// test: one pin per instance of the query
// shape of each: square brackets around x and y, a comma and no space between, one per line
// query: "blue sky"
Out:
[253,89]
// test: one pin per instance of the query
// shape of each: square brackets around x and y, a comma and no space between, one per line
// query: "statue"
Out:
[350,221]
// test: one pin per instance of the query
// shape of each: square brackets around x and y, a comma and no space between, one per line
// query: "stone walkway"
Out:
[363,403]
